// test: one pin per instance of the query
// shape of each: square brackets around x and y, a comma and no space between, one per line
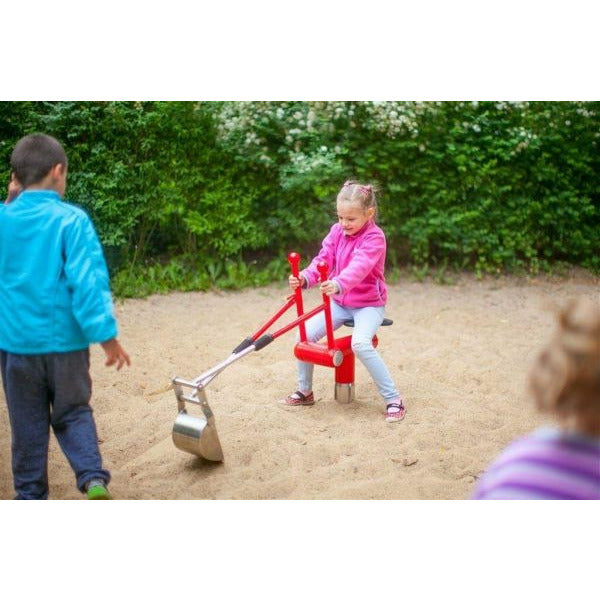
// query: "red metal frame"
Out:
[345,372]
[296,298]
[290,301]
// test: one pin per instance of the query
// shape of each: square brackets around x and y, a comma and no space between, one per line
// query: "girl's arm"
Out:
[364,260]
[327,254]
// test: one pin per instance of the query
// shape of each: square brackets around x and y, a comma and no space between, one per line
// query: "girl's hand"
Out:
[329,288]
[296,282]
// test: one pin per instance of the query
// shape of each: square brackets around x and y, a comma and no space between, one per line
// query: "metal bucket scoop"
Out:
[196,434]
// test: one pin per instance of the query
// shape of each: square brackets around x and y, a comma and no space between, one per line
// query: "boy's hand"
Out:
[115,354]
[329,287]
[296,282]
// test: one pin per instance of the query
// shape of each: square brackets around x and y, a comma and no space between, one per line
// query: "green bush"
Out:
[188,195]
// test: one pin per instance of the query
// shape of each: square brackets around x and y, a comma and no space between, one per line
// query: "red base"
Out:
[320,354]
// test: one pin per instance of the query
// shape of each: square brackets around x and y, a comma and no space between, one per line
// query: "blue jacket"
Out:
[54,286]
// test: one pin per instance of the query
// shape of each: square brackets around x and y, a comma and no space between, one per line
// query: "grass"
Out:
[187,274]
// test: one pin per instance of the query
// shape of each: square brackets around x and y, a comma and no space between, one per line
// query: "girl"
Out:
[354,251]
[560,462]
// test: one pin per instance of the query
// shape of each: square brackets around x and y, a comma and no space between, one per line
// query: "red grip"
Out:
[294,260]
[323,270]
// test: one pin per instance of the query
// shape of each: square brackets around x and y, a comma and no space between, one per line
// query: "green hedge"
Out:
[197,194]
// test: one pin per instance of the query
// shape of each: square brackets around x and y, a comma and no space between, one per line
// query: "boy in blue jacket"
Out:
[56,301]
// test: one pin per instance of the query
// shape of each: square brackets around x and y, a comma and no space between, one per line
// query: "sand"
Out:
[460,354]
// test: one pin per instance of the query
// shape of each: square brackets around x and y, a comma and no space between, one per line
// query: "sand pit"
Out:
[460,353]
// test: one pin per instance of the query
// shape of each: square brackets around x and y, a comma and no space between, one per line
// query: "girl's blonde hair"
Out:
[358,193]
[565,379]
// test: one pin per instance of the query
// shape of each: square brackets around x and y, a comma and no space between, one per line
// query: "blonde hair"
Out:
[357,193]
[565,379]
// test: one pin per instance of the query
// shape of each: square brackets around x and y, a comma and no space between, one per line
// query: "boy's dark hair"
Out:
[34,156]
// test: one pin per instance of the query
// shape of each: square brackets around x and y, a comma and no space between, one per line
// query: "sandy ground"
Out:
[460,354]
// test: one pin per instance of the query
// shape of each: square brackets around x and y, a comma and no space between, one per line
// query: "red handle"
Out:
[294,260]
[323,270]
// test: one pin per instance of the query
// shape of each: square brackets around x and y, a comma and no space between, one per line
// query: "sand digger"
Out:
[198,434]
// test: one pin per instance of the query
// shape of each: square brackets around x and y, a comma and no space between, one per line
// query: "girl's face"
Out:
[352,217]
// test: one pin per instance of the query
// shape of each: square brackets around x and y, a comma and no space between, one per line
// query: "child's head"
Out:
[356,204]
[39,161]
[565,379]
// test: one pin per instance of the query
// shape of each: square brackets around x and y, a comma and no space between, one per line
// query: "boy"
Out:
[56,301]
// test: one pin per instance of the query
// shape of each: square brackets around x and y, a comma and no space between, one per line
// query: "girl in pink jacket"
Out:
[354,250]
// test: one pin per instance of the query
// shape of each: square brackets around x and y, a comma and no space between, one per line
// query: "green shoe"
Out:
[96,490]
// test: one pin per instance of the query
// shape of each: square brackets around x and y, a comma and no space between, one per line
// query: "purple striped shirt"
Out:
[546,465]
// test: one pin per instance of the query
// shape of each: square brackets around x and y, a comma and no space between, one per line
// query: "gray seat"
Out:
[386,322]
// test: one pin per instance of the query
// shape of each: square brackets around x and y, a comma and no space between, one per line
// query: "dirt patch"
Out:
[459,353]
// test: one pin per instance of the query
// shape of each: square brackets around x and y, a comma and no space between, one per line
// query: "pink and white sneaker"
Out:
[395,412]
[298,399]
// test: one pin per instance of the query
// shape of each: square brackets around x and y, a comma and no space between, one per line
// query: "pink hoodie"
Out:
[356,263]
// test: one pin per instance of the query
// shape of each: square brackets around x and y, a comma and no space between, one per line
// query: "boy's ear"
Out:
[58,170]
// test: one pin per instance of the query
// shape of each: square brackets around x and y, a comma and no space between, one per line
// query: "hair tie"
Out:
[367,189]
[347,183]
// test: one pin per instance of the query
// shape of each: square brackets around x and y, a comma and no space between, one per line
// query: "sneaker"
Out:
[96,490]
[397,414]
[298,399]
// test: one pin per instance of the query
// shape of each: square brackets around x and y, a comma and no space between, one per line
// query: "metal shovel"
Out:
[196,434]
